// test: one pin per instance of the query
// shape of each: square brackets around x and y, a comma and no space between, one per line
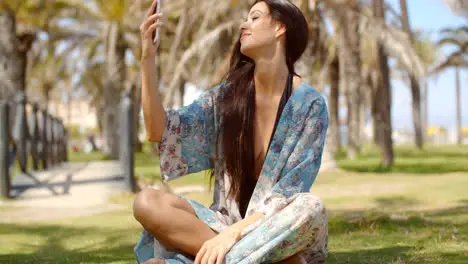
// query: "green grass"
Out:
[373,218]
[105,238]
[417,212]
[373,237]
[395,218]
[433,159]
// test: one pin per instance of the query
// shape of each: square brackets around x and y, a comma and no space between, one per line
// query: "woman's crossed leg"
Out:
[173,222]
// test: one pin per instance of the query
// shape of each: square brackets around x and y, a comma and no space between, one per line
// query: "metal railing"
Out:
[28,133]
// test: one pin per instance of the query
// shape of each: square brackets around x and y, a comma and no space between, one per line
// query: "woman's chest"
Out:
[263,130]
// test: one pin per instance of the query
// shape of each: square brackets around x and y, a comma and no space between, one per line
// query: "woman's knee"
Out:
[313,208]
[146,201]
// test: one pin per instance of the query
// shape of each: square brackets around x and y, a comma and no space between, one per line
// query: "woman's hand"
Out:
[214,250]
[147,28]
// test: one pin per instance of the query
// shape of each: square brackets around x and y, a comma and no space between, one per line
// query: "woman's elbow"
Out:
[153,137]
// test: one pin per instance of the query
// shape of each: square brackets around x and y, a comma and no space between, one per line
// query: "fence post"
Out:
[65,143]
[35,137]
[44,139]
[4,150]
[52,156]
[127,153]
[21,131]
[59,141]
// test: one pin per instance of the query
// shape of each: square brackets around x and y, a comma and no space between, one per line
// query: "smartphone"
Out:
[158,10]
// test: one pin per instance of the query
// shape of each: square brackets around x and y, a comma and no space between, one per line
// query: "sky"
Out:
[431,15]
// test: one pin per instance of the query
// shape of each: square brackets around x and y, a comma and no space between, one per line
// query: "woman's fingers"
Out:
[213,257]
[152,8]
[152,28]
[206,256]
[150,21]
[200,254]
[221,257]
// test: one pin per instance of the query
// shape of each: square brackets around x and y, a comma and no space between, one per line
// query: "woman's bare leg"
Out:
[172,221]
[296,259]
[154,261]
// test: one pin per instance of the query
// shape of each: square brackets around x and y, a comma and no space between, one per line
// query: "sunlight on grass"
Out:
[377,217]
[433,159]
[106,238]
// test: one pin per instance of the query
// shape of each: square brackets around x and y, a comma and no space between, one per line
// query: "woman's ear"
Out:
[280,30]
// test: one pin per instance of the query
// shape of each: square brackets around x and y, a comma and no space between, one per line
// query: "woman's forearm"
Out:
[242,224]
[153,110]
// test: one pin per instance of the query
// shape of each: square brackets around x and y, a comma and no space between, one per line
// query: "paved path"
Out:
[78,189]
[81,189]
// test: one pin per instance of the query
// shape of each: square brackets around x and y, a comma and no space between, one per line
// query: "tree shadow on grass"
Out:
[373,236]
[381,255]
[431,160]
[410,166]
[394,254]
[395,202]
[59,244]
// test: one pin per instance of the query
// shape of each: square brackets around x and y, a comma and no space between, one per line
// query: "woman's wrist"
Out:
[147,59]
[235,231]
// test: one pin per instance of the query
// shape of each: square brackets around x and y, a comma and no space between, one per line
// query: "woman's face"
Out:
[258,31]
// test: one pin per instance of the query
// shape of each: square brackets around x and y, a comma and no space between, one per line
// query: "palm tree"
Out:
[350,56]
[14,45]
[428,53]
[415,88]
[108,24]
[383,93]
[323,56]
[458,59]
[458,6]
[20,23]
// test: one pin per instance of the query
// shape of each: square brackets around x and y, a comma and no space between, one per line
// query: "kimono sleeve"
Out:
[303,164]
[187,144]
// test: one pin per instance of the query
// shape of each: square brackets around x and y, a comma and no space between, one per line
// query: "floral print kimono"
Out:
[294,221]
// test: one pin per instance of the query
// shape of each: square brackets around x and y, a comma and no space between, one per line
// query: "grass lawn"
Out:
[377,217]
[373,218]
[433,159]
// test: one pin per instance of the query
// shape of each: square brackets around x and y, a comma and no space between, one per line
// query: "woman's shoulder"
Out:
[306,94]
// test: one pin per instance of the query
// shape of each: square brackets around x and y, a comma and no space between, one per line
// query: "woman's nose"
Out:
[243,26]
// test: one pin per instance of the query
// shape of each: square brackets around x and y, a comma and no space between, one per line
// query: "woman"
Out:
[263,143]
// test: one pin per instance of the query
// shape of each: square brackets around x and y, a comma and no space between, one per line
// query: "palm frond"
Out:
[204,43]
[395,41]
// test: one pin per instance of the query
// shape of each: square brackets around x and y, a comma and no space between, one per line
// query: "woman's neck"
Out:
[270,75]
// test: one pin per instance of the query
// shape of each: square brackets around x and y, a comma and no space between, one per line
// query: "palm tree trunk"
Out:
[136,96]
[350,45]
[426,109]
[384,128]
[12,64]
[458,105]
[113,87]
[334,76]
[374,85]
[415,89]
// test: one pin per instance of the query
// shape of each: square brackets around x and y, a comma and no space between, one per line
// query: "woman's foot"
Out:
[155,261]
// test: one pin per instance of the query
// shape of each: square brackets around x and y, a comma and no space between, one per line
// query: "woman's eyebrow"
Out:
[256,10]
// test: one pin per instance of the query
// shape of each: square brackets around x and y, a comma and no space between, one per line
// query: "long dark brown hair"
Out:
[237,104]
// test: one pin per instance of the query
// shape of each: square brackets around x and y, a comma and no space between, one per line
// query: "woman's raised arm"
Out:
[153,110]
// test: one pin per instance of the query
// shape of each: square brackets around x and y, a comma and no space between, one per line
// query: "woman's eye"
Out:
[254,18]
